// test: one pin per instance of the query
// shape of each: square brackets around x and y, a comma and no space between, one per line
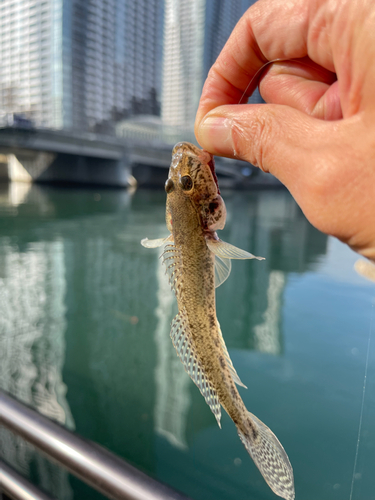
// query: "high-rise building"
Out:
[116,59]
[80,63]
[195,31]
[85,64]
[28,41]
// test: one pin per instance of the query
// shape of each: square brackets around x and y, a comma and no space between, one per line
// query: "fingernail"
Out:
[215,135]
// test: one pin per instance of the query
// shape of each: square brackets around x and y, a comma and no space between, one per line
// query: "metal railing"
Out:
[17,487]
[91,463]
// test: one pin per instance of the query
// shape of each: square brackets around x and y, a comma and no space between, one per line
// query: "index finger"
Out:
[268,30]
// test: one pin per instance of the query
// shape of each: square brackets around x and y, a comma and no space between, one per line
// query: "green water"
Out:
[84,338]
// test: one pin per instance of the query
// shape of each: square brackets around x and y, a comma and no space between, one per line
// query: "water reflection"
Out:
[271,225]
[32,345]
[33,321]
[85,314]
[172,384]
[267,335]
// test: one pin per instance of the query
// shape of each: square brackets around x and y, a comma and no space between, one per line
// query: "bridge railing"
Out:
[91,463]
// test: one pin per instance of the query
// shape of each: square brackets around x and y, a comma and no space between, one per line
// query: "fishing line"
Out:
[256,74]
[296,59]
[362,404]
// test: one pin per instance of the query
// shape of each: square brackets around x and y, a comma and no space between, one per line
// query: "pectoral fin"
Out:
[156,243]
[227,251]
[222,270]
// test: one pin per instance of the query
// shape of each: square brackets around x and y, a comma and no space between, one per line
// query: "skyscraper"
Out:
[116,59]
[195,31]
[85,64]
[80,63]
[29,68]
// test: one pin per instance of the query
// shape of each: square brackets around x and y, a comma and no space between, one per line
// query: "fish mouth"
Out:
[190,149]
[186,147]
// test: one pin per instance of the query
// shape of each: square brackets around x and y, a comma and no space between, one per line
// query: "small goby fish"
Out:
[197,261]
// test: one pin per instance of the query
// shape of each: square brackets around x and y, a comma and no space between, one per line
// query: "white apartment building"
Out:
[28,43]
[77,63]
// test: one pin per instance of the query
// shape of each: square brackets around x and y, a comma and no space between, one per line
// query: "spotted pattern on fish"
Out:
[181,338]
[196,261]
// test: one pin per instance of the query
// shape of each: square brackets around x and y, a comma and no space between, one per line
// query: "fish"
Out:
[197,261]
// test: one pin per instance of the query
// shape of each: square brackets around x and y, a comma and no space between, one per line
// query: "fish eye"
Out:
[169,186]
[186,182]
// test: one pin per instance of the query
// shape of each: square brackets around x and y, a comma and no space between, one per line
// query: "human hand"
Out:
[317,131]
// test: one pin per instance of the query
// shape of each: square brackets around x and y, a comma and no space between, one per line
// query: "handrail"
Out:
[17,487]
[90,462]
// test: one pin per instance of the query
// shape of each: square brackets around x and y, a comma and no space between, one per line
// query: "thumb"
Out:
[326,165]
[277,138]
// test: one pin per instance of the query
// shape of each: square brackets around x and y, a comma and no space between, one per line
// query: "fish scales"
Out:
[199,301]
[196,262]
[198,297]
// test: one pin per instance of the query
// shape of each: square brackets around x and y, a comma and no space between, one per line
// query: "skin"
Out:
[316,133]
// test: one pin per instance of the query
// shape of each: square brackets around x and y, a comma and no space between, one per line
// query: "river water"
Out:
[85,313]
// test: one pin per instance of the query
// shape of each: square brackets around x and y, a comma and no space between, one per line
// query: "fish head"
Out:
[192,182]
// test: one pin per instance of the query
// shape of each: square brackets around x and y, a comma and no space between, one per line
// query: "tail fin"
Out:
[269,456]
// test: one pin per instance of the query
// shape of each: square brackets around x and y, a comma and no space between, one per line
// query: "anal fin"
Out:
[183,343]
[232,370]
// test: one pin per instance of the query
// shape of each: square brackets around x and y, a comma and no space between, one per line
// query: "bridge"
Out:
[45,155]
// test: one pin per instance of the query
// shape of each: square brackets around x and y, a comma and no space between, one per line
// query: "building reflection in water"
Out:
[267,334]
[85,314]
[33,320]
[172,383]
[32,346]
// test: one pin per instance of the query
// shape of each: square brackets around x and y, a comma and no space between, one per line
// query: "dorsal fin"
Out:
[182,341]
[171,258]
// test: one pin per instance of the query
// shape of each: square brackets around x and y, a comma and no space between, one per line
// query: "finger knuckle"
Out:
[253,140]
